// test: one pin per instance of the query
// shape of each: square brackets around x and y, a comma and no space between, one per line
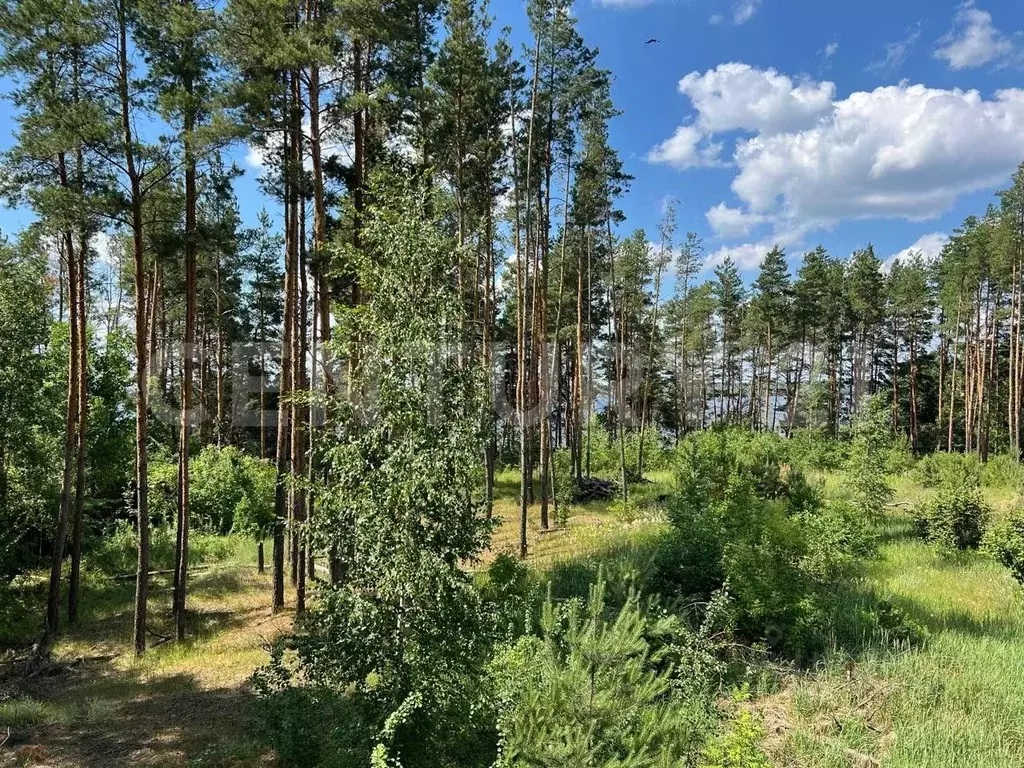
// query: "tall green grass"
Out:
[957,701]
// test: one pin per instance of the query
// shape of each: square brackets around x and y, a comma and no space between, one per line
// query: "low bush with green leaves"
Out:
[941,468]
[955,517]
[509,593]
[816,449]
[738,745]
[838,538]
[1005,541]
[1002,471]
[868,463]
[745,521]
[899,456]
[223,483]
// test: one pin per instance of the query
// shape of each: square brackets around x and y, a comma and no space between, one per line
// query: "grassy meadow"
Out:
[955,700]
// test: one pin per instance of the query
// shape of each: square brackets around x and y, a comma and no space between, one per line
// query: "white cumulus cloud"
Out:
[974,41]
[805,159]
[686,148]
[904,151]
[729,222]
[929,246]
[746,256]
[738,96]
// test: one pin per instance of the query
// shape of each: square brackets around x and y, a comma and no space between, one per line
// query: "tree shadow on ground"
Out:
[95,707]
[110,717]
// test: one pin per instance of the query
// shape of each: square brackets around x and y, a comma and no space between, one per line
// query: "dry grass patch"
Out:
[179,705]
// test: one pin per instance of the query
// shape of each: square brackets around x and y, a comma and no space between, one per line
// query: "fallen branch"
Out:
[90,659]
[191,569]
[130,576]
[157,634]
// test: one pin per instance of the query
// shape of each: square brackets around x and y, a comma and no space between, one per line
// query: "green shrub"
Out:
[940,468]
[222,482]
[865,470]
[838,538]
[298,723]
[254,512]
[707,462]
[509,595]
[816,449]
[737,746]
[1005,542]
[746,522]
[605,457]
[627,511]
[689,562]
[1002,471]
[763,576]
[955,517]
[893,626]
[899,456]
[163,490]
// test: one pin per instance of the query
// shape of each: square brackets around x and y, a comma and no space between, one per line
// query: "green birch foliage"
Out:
[864,476]
[399,640]
[26,454]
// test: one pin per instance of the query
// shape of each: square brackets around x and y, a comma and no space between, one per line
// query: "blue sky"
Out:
[795,121]
[945,154]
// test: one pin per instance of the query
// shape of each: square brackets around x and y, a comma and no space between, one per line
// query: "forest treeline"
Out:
[444,287]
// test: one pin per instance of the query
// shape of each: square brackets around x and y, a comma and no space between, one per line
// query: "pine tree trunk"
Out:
[184,434]
[77,531]
[590,345]
[299,342]
[577,387]
[221,424]
[647,372]
[283,407]
[52,622]
[491,447]
[915,440]
[522,283]
[952,373]
[618,339]
[768,377]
